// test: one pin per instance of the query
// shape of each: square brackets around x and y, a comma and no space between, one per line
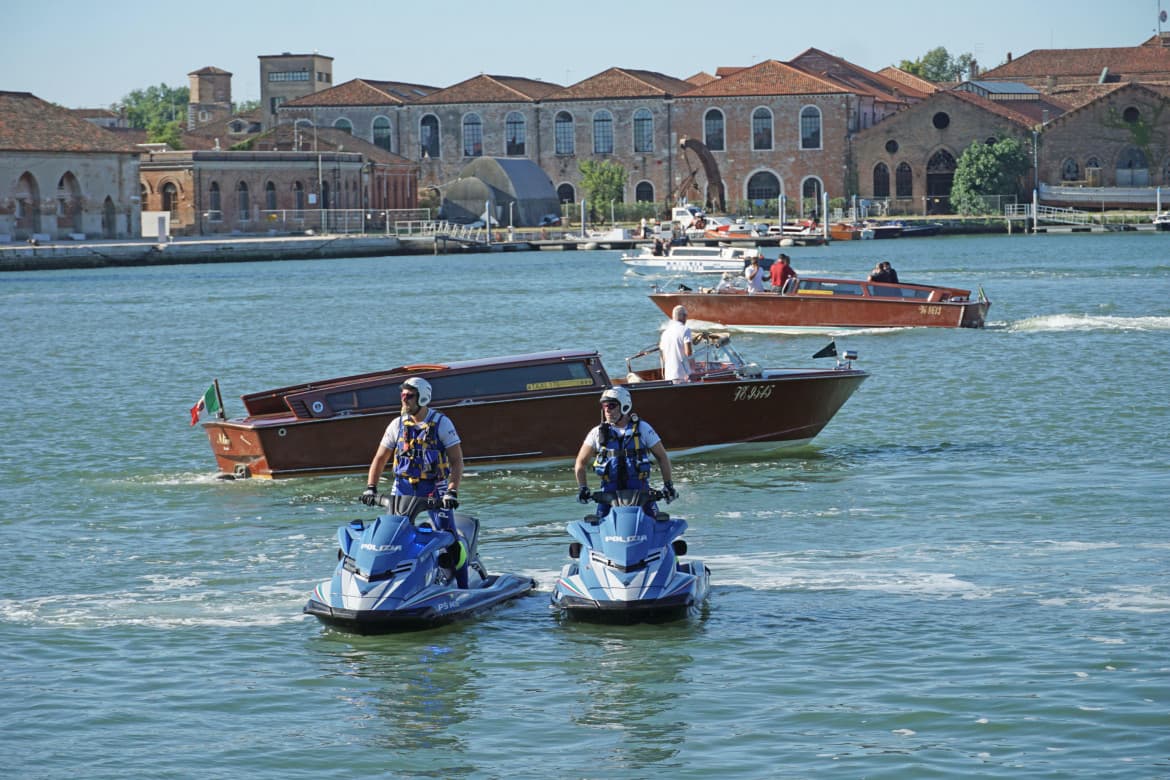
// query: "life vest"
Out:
[622,462]
[419,455]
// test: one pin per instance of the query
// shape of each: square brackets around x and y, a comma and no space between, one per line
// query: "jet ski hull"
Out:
[682,598]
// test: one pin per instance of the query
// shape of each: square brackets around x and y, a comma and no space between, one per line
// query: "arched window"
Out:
[344,125]
[565,194]
[1069,170]
[762,129]
[881,180]
[299,198]
[904,181]
[713,130]
[643,130]
[763,186]
[382,136]
[270,196]
[472,136]
[428,136]
[515,134]
[170,197]
[565,142]
[214,203]
[810,196]
[243,207]
[810,128]
[603,132]
[644,192]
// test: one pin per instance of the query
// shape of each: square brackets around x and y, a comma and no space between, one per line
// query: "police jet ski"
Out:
[626,565]
[396,574]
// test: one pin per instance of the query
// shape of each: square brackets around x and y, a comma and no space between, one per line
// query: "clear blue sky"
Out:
[90,54]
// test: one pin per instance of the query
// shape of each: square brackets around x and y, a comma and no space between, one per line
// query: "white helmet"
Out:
[422,387]
[622,396]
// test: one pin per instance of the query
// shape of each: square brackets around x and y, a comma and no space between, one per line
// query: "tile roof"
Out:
[700,78]
[210,70]
[485,88]
[1124,62]
[1158,91]
[362,92]
[854,77]
[909,79]
[29,124]
[770,77]
[622,83]
[283,138]
[1008,111]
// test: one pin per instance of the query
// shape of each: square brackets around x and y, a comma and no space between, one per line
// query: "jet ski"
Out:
[397,573]
[625,566]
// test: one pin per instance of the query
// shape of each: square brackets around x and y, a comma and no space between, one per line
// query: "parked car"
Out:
[550,219]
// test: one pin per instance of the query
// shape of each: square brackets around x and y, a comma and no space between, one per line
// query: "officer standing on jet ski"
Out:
[620,447]
[427,460]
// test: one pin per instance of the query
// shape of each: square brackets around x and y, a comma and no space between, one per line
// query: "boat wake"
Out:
[1090,322]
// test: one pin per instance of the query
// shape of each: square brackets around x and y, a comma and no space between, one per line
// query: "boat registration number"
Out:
[933,311]
[752,392]
[558,383]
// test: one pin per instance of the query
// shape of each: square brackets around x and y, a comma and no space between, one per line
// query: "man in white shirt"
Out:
[676,347]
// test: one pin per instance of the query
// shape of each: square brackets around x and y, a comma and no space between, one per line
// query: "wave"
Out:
[1087,322]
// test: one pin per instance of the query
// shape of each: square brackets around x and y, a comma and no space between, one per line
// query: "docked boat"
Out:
[532,410]
[919,229]
[849,231]
[688,259]
[1161,220]
[818,303]
[884,229]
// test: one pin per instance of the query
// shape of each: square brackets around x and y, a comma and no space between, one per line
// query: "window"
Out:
[288,75]
[713,130]
[644,192]
[1131,115]
[810,195]
[881,181]
[761,129]
[344,125]
[602,133]
[270,196]
[1069,170]
[904,181]
[382,137]
[643,130]
[810,128]
[514,134]
[892,146]
[763,185]
[428,136]
[472,136]
[244,208]
[565,194]
[941,120]
[170,197]
[299,199]
[215,206]
[563,129]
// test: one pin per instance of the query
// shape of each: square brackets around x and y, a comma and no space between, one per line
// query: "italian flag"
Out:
[209,404]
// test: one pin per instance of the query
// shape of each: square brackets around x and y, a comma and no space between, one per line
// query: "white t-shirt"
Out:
[755,279]
[448,437]
[672,343]
[649,437]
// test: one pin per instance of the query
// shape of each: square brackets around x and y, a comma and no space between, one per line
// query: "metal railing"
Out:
[1061,216]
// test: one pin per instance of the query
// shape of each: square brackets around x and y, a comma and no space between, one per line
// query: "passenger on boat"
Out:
[781,272]
[426,458]
[754,275]
[883,272]
[621,447]
[658,248]
[676,348]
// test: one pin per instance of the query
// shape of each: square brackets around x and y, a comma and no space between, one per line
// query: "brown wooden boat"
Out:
[534,409]
[819,303]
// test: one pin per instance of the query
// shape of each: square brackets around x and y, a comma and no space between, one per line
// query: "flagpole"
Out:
[219,414]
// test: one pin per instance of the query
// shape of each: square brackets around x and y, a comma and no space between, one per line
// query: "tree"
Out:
[602,182]
[244,106]
[169,133]
[987,169]
[938,65]
[154,106]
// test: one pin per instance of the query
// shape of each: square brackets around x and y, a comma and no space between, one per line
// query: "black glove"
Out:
[583,494]
[370,497]
[451,499]
[668,491]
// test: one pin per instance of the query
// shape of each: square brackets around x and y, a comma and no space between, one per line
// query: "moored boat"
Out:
[884,229]
[849,231]
[1161,220]
[532,410]
[817,303]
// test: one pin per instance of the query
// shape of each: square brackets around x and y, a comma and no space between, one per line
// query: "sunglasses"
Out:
[409,394]
[610,404]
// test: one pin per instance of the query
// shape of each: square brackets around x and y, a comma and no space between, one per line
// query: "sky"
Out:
[87,54]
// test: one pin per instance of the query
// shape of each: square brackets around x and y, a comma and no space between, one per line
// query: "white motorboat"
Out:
[692,259]
[1161,220]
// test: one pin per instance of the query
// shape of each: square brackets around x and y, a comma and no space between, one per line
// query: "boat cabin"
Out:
[848,287]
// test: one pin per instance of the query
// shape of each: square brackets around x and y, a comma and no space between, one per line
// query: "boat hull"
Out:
[769,310]
[781,408]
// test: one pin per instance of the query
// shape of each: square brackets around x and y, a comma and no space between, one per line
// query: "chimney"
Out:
[1009,56]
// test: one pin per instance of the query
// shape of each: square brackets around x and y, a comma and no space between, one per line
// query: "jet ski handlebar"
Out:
[409,506]
[628,497]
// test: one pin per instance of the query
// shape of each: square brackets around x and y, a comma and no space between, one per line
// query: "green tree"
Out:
[987,169]
[169,133]
[601,183]
[938,65]
[154,106]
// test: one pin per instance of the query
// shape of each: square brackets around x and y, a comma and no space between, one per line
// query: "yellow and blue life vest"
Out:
[419,455]
[622,462]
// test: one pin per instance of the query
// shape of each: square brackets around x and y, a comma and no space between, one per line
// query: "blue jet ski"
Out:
[626,565]
[394,574]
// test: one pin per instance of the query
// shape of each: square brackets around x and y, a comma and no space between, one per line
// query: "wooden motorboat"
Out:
[533,409]
[690,259]
[849,231]
[817,303]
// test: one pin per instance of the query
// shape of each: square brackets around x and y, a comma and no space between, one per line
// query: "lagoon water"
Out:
[967,574]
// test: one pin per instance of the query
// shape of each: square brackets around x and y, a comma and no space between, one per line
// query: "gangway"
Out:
[1060,216]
